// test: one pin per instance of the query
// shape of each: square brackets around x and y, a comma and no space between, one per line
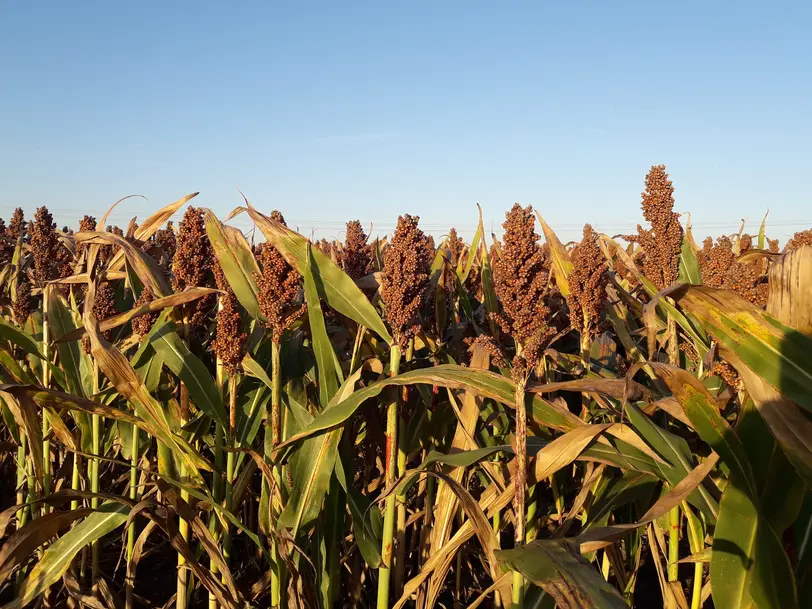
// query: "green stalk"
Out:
[696,595]
[497,524]
[218,487]
[182,594]
[384,572]
[46,379]
[673,515]
[400,503]
[181,597]
[94,474]
[133,496]
[517,600]
[21,478]
[276,435]
[229,481]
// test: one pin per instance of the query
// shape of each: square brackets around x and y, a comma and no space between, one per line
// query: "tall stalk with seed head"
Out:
[661,249]
[228,347]
[192,266]
[521,283]
[281,303]
[404,286]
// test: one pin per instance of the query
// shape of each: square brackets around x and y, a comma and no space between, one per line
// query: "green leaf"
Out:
[313,466]
[462,275]
[553,566]
[762,237]
[237,261]
[186,366]
[325,356]
[674,450]
[562,265]
[19,339]
[774,351]
[480,382]
[367,520]
[335,286]
[689,271]
[57,558]
[701,409]
[746,565]
[70,353]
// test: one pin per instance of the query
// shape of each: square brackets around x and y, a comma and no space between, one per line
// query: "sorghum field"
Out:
[194,420]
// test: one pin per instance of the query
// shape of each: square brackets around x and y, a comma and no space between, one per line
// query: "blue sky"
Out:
[331,111]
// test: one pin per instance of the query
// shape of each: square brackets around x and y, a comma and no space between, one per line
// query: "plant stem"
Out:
[218,486]
[400,502]
[276,434]
[94,474]
[133,496]
[673,515]
[232,433]
[384,572]
[21,478]
[696,595]
[517,601]
[46,379]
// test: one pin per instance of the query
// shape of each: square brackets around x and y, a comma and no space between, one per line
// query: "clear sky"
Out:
[331,111]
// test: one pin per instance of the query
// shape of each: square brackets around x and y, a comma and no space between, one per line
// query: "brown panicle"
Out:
[455,246]
[192,264]
[143,323]
[663,241]
[22,304]
[44,247]
[405,280]
[279,288]
[16,226]
[357,258]
[587,281]
[229,339]
[721,269]
[520,279]
[164,238]
[799,239]
[104,306]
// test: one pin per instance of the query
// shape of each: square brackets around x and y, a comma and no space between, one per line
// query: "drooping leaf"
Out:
[57,558]
[335,286]
[689,271]
[776,352]
[237,261]
[480,382]
[562,265]
[553,566]
[188,367]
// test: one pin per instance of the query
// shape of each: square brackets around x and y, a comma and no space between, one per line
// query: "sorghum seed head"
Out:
[520,279]
[22,304]
[44,247]
[279,288]
[143,324]
[16,225]
[357,257]
[587,282]
[663,241]
[192,263]
[799,239]
[405,280]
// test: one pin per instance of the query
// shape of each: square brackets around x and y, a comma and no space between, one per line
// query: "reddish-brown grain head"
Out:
[587,282]
[520,280]
[279,287]
[405,278]
[356,257]
[192,263]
